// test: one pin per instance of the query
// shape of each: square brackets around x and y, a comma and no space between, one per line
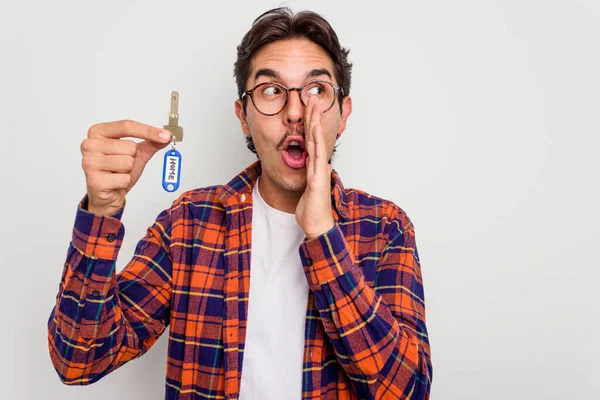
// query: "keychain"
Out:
[171,175]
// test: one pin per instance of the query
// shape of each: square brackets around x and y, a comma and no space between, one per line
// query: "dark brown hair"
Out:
[280,24]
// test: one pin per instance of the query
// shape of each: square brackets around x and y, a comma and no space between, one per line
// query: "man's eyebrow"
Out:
[266,72]
[319,72]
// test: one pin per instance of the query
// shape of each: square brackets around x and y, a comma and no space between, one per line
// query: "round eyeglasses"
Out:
[270,98]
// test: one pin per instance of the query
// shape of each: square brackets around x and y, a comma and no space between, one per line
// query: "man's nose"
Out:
[294,110]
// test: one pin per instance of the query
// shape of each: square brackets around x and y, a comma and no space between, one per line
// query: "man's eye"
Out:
[271,91]
[316,90]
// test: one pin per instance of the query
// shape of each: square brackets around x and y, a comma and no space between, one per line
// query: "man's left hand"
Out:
[313,212]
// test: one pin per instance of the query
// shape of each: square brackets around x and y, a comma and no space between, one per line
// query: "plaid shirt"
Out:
[365,332]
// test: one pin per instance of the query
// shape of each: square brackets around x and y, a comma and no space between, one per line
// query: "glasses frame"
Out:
[336,90]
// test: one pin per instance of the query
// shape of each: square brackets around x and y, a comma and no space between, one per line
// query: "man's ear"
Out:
[239,112]
[346,111]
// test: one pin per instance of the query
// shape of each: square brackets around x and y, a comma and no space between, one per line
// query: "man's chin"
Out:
[296,186]
[293,183]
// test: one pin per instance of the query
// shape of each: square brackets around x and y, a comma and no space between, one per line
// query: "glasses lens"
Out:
[324,91]
[269,98]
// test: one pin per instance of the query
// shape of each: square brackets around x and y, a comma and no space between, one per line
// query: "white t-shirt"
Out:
[274,349]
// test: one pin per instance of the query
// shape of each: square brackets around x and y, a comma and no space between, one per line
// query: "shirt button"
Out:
[95,294]
[308,261]
[328,317]
[111,237]
[243,198]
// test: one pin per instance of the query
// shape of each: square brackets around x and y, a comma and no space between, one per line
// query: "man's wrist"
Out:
[109,211]
[98,236]
[103,212]
[322,231]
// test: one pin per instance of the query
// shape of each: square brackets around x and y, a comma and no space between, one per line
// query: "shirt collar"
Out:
[244,182]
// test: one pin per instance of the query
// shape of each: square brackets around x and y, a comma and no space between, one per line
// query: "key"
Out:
[173,126]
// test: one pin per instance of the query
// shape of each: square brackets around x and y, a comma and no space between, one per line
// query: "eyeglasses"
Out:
[270,98]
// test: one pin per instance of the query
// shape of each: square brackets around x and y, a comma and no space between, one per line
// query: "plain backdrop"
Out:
[489,108]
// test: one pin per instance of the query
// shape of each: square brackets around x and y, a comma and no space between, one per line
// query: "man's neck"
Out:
[279,199]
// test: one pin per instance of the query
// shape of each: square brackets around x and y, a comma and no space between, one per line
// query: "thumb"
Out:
[146,149]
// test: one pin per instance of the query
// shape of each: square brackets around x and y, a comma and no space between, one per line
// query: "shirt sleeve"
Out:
[102,319]
[378,333]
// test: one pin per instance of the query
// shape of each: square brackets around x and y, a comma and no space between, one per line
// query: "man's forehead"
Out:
[292,59]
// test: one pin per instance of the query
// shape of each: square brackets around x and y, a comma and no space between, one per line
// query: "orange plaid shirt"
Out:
[365,332]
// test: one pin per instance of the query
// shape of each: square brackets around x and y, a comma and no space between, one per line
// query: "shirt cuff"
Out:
[98,236]
[326,257]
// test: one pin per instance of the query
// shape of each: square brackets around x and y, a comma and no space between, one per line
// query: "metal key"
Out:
[173,126]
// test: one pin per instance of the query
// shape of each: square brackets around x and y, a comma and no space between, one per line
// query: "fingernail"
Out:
[165,136]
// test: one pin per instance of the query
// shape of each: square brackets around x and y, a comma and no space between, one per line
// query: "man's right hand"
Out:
[113,165]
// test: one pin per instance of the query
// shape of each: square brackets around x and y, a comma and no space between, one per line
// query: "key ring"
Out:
[171,176]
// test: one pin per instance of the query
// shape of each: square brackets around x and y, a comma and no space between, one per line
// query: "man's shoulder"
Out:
[359,203]
[364,204]
[207,196]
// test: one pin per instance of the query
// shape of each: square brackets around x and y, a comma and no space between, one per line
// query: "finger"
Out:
[129,128]
[315,119]
[112,163]
[317,133]
[108,146]
[147,149]
[310,159]
[307,116]
[108,181]
[309,137]
[321,161]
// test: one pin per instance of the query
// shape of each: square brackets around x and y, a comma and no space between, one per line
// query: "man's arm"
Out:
[101,320]
[379,334]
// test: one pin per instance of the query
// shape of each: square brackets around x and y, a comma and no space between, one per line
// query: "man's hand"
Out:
[112,166]
[313,212]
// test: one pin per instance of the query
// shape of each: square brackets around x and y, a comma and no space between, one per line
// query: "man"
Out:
[281,284]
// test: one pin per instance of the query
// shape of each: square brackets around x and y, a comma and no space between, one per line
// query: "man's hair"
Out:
[280,24]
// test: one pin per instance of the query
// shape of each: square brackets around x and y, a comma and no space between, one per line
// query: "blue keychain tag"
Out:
[171,170]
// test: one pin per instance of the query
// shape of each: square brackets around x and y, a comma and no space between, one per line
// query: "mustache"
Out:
[297,131]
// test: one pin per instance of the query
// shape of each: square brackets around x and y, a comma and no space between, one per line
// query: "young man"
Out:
[281,284]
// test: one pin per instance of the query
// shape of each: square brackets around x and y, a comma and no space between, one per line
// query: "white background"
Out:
[490,110]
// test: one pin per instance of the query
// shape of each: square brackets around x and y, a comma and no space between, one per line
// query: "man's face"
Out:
[290,63]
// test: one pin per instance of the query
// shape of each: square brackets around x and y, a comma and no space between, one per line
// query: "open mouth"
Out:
[294,153]
[295,149]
